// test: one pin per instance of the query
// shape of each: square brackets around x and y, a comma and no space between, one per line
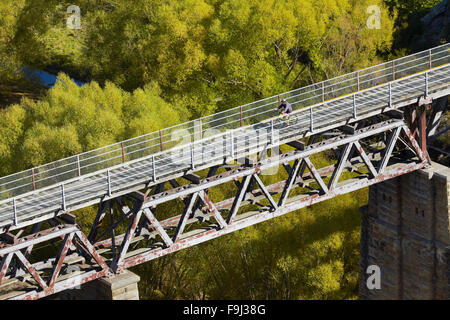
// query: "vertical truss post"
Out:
[113,233]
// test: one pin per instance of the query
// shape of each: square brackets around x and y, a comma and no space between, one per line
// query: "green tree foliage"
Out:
[9,66]
[204,54]
[12,127]
[408,23]
[407,8]
[72,119]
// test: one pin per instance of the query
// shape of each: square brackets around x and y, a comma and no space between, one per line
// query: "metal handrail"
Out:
[152,143]
[211,150]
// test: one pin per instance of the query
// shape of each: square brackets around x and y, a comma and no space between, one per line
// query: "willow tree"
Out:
[205,55]
[9,64]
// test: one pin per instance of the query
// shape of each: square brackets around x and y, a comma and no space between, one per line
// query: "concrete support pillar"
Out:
[119,287]
[406,232]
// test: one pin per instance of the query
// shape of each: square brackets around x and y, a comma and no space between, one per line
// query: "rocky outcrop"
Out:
[436,26]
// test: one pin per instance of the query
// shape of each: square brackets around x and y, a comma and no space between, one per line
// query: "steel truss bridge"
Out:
[372,124]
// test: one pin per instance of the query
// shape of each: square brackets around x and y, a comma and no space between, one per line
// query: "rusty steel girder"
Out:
[129,230]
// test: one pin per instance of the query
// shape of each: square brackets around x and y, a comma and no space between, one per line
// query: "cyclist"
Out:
[285,108]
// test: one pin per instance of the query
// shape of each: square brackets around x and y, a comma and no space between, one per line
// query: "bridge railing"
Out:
[155,142]
[213,149]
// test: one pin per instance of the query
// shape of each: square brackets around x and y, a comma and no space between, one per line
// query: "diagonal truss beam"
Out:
[342,162]
[392,140]
[212,208]
[266,192]
[155,223]
[316,175]
[290,182]
[60,258]
[144,206]
[366,159]
[238,200]
[184,217]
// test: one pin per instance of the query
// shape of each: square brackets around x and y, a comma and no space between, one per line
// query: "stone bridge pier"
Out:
[123,286]
[406,233]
